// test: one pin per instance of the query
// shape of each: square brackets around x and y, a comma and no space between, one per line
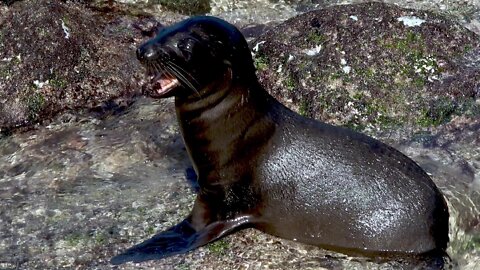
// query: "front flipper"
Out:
[179,239]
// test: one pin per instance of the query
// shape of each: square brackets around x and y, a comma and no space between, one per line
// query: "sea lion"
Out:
[261,165]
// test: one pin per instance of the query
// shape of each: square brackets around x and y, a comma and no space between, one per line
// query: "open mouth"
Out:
[162,84]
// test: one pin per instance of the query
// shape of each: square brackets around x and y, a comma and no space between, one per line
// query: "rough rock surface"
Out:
[84,187]
[56,56]
[372,66]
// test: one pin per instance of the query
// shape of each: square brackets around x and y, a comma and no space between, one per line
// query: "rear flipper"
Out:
[180,238]
[431,260]
[434,260]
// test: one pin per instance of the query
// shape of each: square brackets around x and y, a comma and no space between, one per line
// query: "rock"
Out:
[8,2]
[372,67]
[57,56]
[187,7]
[81,189]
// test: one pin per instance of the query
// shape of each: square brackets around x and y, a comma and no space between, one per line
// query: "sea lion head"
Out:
[186,58]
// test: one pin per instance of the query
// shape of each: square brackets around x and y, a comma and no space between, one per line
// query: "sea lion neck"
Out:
[220,129]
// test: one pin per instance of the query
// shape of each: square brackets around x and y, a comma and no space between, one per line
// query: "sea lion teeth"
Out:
[163,84]
[167,84]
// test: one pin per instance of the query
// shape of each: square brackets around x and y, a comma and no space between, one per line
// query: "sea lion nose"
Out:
[146,52]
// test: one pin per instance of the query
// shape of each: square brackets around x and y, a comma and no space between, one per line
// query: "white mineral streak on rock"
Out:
[410,21]
[66,30]
[313,51]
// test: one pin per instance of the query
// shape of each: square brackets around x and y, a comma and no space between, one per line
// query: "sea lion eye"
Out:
[186,45]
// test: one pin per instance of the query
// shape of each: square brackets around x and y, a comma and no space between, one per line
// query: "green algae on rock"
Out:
[189,7]
[56,56]
[371,66]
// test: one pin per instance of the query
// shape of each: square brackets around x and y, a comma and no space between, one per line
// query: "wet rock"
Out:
[372,67]
[57,56]
[8,2]
[78,190]
[187,7]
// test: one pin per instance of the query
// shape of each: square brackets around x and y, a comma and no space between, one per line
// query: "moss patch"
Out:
[35,103]
[261,63]
[150,230]
[58,82]
[75,239]
[218,247]
[438,113]
[316,37]
[188,7]
[5,73]
[182,267]
[305,108]
[290,84]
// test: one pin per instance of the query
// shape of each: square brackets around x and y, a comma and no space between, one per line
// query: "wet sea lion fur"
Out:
[261,165]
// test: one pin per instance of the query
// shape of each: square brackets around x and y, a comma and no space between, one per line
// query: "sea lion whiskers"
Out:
[162,69]
[170,69]
[162,80]
[182,75]
[156,70]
